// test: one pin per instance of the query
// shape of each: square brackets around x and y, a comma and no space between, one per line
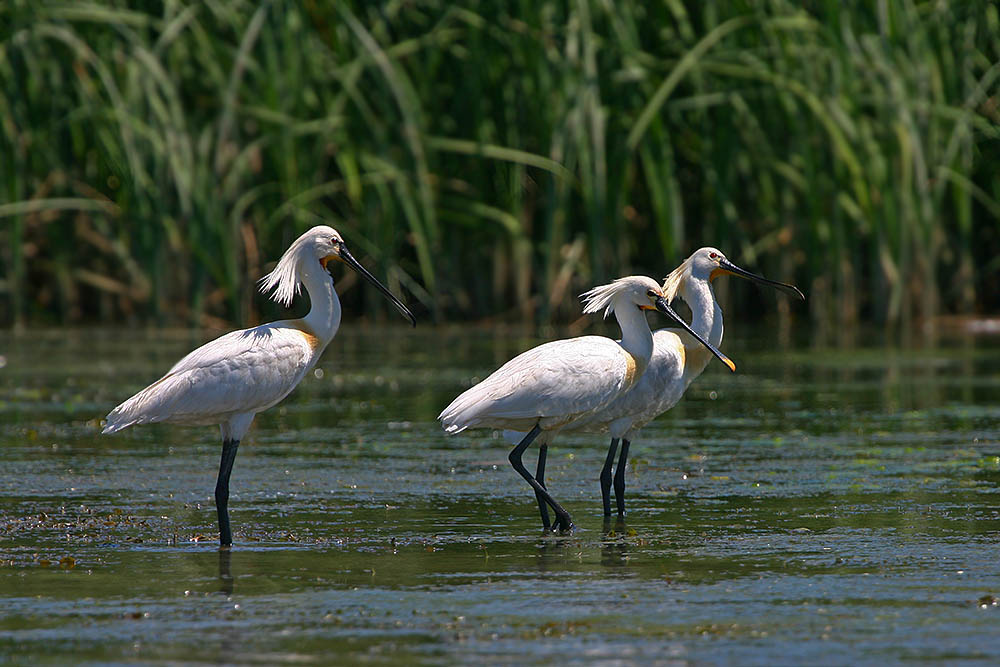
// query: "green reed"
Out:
[492,160]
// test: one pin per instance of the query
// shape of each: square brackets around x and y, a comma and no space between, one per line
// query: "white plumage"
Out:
[677,360]
[548,385]
[659,389]
[230,379]
[241,373]
[554,384]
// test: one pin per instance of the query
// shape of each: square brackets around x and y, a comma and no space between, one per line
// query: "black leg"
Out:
[222,490]
[543,508]
[563,520]
[606,477]
[620,478]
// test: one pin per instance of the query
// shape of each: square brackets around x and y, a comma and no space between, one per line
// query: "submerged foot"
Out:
[563,524]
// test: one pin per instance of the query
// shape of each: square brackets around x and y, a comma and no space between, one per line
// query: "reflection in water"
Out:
[226,579]
[556,551]
[836,491]
[614,543]
[553,552]
[613,526]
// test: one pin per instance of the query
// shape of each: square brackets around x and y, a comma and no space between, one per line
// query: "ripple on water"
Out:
[816,504]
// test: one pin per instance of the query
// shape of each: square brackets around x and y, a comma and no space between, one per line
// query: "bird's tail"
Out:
[113,423]
[450,424]
[459,415]
[135,410]
[119,418]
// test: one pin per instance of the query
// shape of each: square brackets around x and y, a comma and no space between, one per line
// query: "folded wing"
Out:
[243,371]
[561,379]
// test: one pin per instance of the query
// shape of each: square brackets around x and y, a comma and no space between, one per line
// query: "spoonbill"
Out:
[549,386]
[677,359]
[230,379]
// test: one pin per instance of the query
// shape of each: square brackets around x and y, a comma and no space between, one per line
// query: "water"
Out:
[820,506]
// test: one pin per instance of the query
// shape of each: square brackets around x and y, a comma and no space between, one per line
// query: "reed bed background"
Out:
[493,160]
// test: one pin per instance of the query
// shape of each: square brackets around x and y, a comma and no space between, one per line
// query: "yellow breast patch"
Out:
[631,370]
[307,333]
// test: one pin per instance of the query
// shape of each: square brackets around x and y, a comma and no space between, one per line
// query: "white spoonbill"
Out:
[676,361]
[551,385]
[235,376]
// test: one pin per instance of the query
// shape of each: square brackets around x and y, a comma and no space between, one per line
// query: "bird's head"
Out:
[324,243]
[645,294]
[707,264]
[638,291]
[320,245]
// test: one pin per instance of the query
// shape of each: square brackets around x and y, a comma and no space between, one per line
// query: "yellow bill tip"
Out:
[729,362]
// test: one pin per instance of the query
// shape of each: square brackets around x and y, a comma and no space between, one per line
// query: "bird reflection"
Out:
[614,543]
[226,579]
[553,554]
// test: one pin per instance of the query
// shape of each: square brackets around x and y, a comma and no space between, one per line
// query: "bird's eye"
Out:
[713,255]
[650,293]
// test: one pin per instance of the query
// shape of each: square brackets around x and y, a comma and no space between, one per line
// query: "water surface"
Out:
[820,506]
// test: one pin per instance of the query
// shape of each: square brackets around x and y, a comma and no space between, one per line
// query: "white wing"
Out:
[658,390]
[557,380]
[243,371]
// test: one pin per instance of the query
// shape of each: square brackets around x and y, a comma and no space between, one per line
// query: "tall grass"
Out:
[493,159]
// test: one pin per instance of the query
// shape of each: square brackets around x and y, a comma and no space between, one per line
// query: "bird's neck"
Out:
[706,321]
[636,337]
[706,315]
[324,311]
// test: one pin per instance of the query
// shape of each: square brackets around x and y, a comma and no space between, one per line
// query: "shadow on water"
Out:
[820,502]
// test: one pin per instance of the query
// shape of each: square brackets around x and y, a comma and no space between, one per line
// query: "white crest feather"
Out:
[284,280]
[603,296]
[672,283]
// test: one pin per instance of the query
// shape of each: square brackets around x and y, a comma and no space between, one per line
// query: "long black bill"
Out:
[348,259]
[664,307]
[790,290]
